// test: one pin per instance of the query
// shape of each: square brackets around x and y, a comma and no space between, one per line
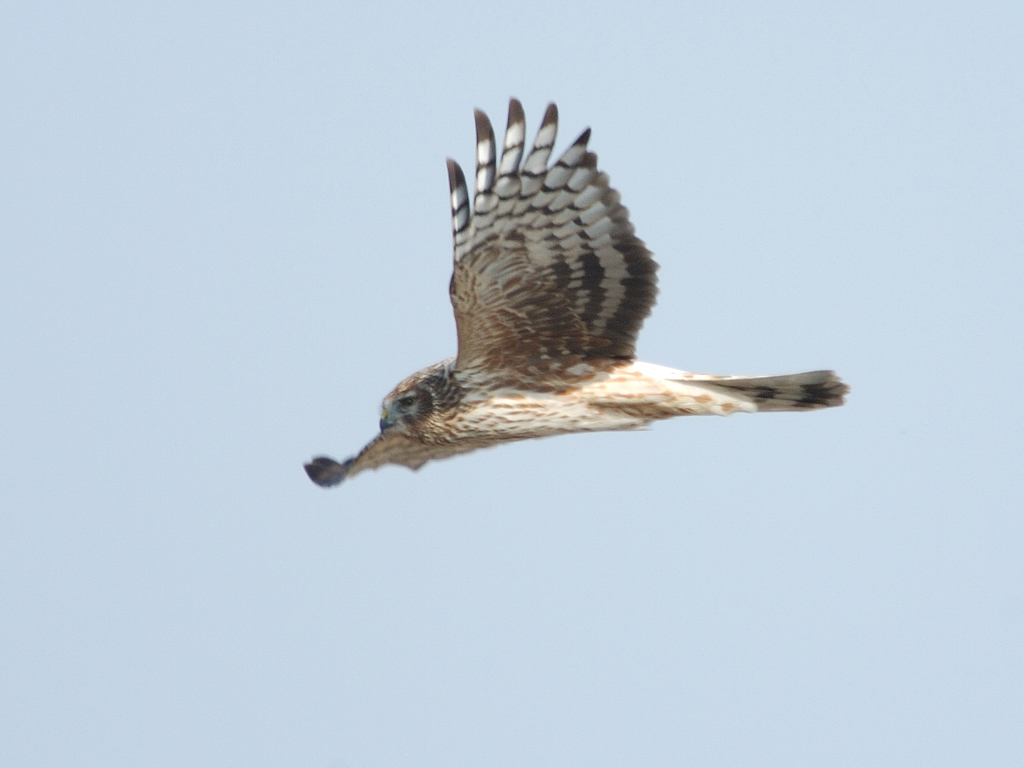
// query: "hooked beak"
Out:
[385,422]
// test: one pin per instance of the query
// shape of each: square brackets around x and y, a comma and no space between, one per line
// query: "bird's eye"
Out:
[407,401]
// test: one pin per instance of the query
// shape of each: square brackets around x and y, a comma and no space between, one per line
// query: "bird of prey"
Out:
[550,287]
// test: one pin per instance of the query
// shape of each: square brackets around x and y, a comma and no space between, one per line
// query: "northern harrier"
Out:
[550,288]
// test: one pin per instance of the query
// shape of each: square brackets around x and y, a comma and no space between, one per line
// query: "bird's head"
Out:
[405,406]
[415,400]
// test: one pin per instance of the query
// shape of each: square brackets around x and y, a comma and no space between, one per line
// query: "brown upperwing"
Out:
[548,272]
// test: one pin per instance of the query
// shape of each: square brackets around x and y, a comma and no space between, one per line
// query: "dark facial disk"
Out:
[419,397]
[406,406]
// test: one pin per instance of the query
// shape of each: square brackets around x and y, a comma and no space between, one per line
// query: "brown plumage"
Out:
[550,288]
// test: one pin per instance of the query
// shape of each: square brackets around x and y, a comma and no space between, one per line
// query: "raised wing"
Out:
[548,273]
[388,447]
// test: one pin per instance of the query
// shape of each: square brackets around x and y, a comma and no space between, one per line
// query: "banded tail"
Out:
[792,392]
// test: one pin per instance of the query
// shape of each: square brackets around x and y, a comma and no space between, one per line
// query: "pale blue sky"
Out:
[224,236]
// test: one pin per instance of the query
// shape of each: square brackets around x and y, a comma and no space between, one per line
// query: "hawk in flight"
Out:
[550,288]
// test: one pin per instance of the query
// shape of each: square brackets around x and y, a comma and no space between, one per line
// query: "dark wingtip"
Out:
[583,138]
[483,126]
[515,111]
[325,471]
[456,178]
[550,115]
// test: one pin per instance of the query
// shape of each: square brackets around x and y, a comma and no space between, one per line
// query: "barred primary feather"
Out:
[548,273]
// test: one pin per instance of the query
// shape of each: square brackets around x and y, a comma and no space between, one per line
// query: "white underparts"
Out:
[629,397]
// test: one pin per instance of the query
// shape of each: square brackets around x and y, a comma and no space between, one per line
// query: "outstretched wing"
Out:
[388,447]
[548,273]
